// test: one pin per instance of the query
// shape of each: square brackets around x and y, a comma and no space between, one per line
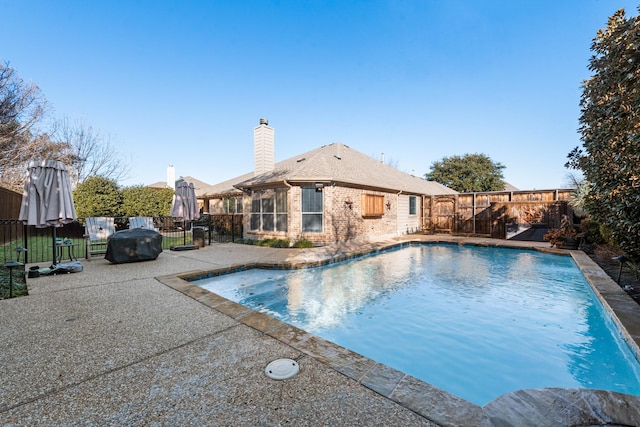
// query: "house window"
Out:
[281,210]
[232,205]
[372,206]
[312,210]
[269,210]
[412,205]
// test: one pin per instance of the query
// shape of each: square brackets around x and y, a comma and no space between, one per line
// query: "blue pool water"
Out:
[477,322]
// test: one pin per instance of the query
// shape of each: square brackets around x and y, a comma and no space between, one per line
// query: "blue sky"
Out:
[185,82]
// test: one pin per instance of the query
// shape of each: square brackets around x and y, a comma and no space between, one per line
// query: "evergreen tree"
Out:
[139,200]
[468,173]
[97,196]
[610,132]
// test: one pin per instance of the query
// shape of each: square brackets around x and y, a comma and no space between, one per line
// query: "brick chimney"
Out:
[263,148]
[171,177]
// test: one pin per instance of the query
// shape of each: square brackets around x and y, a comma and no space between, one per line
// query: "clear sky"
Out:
[185,82]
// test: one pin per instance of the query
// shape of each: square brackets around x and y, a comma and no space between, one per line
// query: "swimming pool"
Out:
[477,322]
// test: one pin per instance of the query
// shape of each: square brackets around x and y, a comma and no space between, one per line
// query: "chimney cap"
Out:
[264,121]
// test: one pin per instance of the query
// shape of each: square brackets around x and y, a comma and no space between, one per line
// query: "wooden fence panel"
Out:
[9,209]
[493,213]
[526,214]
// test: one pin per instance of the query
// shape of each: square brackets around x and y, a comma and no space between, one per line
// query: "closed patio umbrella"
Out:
[47,200]
[185,204]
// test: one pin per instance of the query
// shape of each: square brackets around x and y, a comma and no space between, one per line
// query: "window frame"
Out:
[232,205]
[265,215]
[317,202]
[413,206]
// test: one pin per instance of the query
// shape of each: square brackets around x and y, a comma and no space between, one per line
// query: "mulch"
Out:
[628,276]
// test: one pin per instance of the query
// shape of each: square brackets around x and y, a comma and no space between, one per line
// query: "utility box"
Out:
[198,236]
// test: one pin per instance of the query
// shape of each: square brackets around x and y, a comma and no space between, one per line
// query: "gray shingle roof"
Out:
[202,188]
[341,164]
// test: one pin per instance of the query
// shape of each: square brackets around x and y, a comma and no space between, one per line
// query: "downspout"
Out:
[421,222]
[289,186]
[398,211]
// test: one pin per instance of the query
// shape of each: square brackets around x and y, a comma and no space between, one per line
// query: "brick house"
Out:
[332,193]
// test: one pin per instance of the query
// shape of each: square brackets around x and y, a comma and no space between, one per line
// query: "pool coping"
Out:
[549,406]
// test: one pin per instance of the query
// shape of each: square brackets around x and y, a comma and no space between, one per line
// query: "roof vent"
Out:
[301,159]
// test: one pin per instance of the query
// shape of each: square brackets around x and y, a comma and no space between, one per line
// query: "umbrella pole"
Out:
[55,249]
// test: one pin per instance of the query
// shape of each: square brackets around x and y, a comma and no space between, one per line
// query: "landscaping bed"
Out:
[629,280]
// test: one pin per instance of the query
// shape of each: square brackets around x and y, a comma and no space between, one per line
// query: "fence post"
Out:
[25,243]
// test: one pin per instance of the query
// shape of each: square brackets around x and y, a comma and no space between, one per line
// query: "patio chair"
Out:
[142,222]
[97,232]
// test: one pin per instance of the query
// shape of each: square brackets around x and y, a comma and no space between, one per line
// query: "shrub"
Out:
[558,235]
[277,243]
[274,243]
[303,243]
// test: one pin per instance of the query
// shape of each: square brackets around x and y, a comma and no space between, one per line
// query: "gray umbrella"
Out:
[185,204]
[47,200]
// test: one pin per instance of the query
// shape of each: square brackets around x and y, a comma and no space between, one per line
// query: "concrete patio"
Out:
[133,344]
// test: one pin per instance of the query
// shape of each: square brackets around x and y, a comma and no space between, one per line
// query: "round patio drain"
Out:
[281,369]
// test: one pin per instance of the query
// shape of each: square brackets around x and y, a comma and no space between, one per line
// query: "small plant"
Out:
[279,243]
[303,243]
[557,236]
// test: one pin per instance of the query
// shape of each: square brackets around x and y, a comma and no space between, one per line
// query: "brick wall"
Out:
[342,220]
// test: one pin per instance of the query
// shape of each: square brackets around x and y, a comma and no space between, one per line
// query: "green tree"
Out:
[610,132]
[468,173]
[98,196]
[139,200]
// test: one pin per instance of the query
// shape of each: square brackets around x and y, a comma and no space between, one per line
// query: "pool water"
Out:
[477,322]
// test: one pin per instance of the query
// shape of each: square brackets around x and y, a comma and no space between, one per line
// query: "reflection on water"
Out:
[478,322]
[322,298]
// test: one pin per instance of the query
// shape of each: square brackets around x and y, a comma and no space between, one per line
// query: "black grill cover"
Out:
[138,244]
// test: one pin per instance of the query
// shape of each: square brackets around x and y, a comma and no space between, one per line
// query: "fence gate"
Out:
[444,214]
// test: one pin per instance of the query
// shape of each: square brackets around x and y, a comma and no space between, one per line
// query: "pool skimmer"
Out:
[282,369]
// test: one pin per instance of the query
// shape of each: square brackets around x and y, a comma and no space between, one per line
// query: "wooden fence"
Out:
[10,202]
[502,215]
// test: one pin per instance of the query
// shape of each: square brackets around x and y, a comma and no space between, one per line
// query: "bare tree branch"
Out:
[93,153]
[22,107]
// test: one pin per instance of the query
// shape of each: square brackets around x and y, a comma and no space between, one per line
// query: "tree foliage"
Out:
[139,200]
[100,196]
[97,196]
[468,173]
[610,132]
